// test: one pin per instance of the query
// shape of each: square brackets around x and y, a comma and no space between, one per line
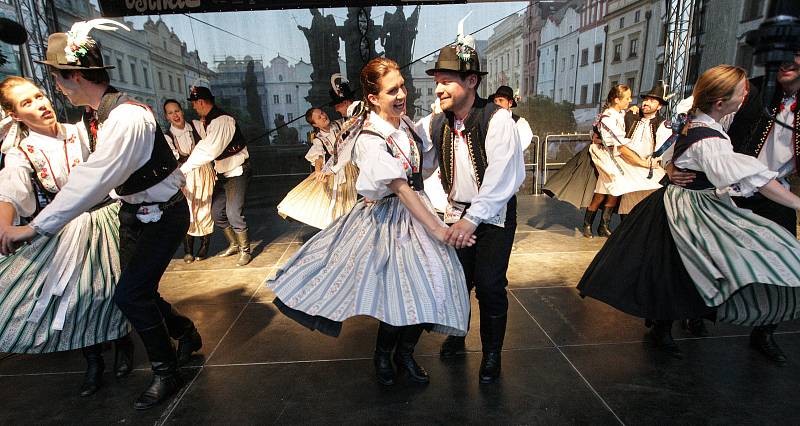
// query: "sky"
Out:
[275,32]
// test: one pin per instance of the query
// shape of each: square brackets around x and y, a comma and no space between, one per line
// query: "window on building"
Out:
[106,59]
[180,85]
[430,91]
[276,99]
[160,81]
[517,56]
[753,9]
[634,48]
[584,94]
[617,52]
[134,80]
[276,115]
[171,83]
[596,93]
[571,92]
[164,43]
[560,95]
[120,70]
[290,116]
[631,83]
[289,100]
[584,57]
[552,65]
[637,16]
[663,38]
[622,22]
[571,61]
[598,52]
[563,63]
[508,61]
[146,77]
[659,74]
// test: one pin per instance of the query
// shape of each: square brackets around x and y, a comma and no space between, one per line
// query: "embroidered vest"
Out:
[331,140]
[751,128]
[161,163]
[237,143]
[44,181]
[476,126]
[182,157]
[413,165]
[694,135]
[632,121]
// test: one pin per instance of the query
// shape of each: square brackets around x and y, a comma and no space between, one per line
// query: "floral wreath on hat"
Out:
[78,40]
[465,44]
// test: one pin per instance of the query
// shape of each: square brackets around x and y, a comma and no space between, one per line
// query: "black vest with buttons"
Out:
[237,143]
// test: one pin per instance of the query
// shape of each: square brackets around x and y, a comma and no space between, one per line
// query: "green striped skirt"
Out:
[56,293]
[746,266]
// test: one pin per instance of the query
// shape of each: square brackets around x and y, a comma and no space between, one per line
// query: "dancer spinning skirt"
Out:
[56,293]
[378,260]
[690,252]
[575,181]
[327,193]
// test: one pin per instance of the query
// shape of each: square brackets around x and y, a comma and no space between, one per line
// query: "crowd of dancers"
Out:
[412,215]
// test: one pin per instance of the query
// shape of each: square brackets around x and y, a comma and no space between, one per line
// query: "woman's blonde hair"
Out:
[7,84]
[716,84]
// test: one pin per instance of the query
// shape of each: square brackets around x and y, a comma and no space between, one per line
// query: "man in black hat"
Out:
[130,159]
[341,96]
[504,98]
[225,145]
[641,124]
[481,170]
[777,146]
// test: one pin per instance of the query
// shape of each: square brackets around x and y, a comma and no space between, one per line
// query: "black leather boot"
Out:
[384,345]
[202,252]
[588,221]
[188,343]
[233,245]
[166,378]
[123,356]
[493,332]
[662,337]
[93,378]
[605,219]
[188,248]
[244,248]
[404,355]
[452,346]
[696,327]
[762,340]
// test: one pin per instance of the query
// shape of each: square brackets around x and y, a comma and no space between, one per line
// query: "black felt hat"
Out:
[504,92]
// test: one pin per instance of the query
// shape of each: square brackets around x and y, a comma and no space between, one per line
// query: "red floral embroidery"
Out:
[43,174]
[76,162]
[30,149]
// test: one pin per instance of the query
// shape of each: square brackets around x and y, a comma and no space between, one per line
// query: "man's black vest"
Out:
[237,143]
[632,121]
[161,163]
[476,127]
[750,127]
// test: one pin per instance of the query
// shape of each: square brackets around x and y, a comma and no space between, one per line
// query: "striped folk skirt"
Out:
[56,293]
[318,204]
[688,254]
[377,261]
[575,181]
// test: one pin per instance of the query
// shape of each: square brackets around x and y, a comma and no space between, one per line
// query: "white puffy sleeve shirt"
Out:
[377,167]
[16,187]
[125,143]
[612,129]
[727,170]
[505,171]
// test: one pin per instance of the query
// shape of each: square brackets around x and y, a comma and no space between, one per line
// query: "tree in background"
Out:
[546,116]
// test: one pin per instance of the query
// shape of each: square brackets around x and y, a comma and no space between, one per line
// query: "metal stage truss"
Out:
[677,47]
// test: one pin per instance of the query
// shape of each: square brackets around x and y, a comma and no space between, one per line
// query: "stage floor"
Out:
[565,360]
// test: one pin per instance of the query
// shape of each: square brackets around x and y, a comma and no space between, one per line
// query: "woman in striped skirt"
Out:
[56,293]
[386,258]
[690,252]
